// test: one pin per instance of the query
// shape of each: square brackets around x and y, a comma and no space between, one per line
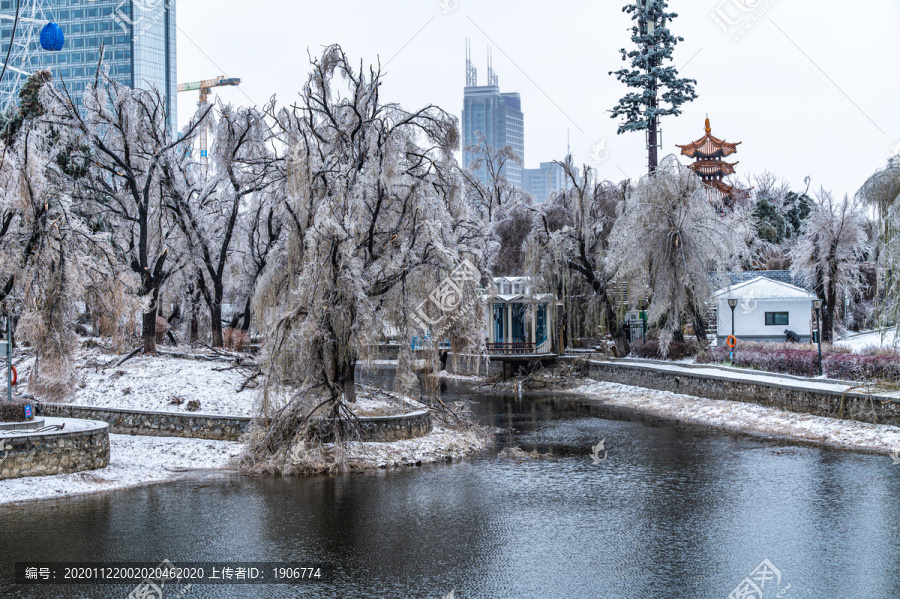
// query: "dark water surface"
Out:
[674,512]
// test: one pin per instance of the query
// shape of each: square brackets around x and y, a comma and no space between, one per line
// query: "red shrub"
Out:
[802,362]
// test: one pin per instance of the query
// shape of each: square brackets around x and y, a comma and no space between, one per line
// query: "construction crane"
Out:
[205,86]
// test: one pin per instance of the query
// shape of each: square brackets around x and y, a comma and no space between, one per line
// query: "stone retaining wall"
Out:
[156,424]
[385,429]
[227,428]
[821,402]
[54,453]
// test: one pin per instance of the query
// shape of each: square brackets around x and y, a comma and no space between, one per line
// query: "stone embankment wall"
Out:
[54,453]
[227,428]
[156,424]
[385,429]
[851,405]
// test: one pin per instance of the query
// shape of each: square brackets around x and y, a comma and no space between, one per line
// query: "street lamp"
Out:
[732,303]
[817,304]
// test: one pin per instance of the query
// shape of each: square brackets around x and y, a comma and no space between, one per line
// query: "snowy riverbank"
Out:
[749,418]
[133,462]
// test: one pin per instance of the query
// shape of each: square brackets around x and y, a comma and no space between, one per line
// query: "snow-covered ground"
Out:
[152,383]
[749,418]
[438,446]
[857,343]
[134,461]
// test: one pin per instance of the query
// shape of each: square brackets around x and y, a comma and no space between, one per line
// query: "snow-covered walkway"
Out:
[749,418]
[751,376]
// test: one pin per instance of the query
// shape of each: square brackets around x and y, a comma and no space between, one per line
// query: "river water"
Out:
[674,511]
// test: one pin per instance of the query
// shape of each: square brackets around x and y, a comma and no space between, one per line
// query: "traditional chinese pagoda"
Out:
[708,152]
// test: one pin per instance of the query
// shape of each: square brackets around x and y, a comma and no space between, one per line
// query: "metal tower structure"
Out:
[26,33]
[471,71]
[492,76]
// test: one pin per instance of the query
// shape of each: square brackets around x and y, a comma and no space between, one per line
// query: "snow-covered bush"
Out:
[677,351]
[837,362]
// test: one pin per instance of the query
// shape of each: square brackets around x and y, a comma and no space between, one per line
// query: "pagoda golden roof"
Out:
[709,146]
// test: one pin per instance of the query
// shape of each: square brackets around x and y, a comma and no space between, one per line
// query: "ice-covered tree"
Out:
[375,221]
[208,211]
[667,242]
[659,91]
[49,256]
[828,254]
[569,245]
[487,188]
[127,134]
[882,192]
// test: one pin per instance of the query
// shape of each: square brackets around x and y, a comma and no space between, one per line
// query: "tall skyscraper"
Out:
[138,38]
[496,116]
[546,180]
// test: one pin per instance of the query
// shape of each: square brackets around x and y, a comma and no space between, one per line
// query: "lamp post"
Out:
[817,304]
[732,303]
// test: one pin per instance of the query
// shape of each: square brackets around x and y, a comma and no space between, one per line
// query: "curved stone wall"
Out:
[85,446]
[228,428]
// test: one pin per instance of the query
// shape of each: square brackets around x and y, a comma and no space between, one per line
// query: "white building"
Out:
[765,310]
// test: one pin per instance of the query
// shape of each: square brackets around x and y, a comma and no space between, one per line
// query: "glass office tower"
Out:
[138,37]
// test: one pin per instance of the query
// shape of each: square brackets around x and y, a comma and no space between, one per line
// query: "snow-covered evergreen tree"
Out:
[659,90]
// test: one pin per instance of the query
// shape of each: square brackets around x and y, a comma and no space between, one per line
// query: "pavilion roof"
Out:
[708,168]
[709,146]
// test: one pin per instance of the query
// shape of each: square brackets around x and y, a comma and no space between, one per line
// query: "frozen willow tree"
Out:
[49,256]
[569,245]
[375,221]
[208,211]
[832,244]
[127,134]
[667,242]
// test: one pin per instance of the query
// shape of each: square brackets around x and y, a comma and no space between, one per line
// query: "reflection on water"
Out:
[674,512]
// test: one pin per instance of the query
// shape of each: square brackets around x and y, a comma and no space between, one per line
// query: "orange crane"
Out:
[205,86]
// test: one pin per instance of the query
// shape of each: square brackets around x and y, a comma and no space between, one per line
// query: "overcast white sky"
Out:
[810,88]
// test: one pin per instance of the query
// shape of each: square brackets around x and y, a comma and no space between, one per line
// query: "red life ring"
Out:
[15,375]
[731,341]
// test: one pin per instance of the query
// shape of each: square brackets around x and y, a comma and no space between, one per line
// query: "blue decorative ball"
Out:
[52,37]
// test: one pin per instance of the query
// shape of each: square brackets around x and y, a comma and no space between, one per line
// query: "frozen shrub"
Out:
[235,339]
[13,411]
[677,351]
[883,366]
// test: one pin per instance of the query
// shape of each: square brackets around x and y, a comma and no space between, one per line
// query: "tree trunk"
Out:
[245,326]
[699,327]
[828,316]
[615,329]
[346,377]
[216,326]
[652,139]
[148,330]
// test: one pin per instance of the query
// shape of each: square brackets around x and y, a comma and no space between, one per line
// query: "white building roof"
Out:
[764,288]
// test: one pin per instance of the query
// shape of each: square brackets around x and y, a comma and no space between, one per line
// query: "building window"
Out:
[776,319]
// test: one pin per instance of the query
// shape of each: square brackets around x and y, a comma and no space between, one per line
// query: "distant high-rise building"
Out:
[138,39]
[497,117]
[544,181]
